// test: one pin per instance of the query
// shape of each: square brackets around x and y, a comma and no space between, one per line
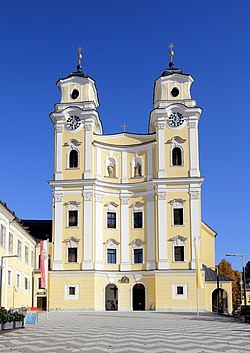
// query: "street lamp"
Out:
[243,281]
[1,275]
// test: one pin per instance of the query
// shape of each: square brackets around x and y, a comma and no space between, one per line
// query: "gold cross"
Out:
[124,127]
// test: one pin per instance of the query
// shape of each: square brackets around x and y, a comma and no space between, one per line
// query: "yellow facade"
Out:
[127,207]
[17,254]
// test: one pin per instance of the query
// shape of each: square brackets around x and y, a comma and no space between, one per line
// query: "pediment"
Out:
[111,242]
[137,242]
[179,238]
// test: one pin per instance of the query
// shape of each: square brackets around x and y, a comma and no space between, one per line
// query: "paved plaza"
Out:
[131,332]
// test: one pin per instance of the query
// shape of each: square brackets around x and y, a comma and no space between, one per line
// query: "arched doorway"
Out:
[111,297]
[219,300]
[139,297]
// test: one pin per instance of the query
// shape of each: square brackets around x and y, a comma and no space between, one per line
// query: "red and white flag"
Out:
[44,263]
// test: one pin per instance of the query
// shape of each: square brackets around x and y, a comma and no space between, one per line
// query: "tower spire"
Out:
[79,57]
[171,54]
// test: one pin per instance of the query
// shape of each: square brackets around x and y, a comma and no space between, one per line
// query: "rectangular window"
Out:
[39,283]
[3,236]
[26,254]
[137,219]
[72,254]
[111,220]
[138,256]
[9,277]
[32,258]
[178,216]
[18,280]
[73,218]
[19,248]
[26,283]
[111,256]
[179,290]
[179,253]
[72,290]
[10,245]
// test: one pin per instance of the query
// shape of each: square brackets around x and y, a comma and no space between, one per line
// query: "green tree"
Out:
[225,269]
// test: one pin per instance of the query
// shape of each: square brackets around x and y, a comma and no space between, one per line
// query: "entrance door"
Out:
[219,301]
[139,297]
[111,297]
[41,303]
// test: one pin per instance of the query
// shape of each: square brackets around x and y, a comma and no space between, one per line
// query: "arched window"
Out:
[176,156]
[73,159]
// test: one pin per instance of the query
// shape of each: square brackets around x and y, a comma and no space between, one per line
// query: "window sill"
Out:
[72,227]
[77,168]
[178,225]
[110,177]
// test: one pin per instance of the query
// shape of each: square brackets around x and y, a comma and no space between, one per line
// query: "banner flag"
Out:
[199,281]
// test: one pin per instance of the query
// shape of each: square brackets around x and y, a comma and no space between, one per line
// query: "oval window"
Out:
[75,94]
[175,92]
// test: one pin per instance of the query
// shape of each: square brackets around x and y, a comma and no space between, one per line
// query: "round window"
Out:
[175,92]
[75,94]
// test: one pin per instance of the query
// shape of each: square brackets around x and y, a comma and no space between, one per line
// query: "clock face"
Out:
[176,119]
[73,122]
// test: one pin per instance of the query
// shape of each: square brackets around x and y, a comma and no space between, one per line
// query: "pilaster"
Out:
[98,232]
[87,263]
[193,148]
[150,265]
[124,167]
[57,200]
[124,266]
[58,147]
[194,220]
[161,149]
[162,230]
[87,151]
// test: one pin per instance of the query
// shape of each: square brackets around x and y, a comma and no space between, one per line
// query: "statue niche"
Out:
[137,168]
[111,167]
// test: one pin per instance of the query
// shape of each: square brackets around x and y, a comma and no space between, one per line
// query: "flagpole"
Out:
[197,303]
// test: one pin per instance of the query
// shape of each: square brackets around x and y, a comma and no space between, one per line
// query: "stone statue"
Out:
[111,169]
[137,170]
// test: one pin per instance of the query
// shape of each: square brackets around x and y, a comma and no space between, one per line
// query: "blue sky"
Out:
[125,48]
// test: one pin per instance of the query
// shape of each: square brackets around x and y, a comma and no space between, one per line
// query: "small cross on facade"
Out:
[124,127]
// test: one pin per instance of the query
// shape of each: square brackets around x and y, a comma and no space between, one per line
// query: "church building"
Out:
[127,207]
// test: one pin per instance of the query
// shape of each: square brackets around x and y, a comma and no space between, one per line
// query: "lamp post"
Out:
[1,275]
[243,281]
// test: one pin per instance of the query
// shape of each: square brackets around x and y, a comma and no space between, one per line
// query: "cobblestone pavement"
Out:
[135,332]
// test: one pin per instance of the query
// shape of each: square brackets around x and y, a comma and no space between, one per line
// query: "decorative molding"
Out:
[194,195]
[71,242]
[160,125]
[161,195]
[111,242]
[124,279]
[58,196]
[137,205]
[177,238]
[87,196]
[151,197]
[177,203]
[72,143]
[111,204]
[59,128]
[87,127]
[124,200]
[72,203]
[176,141]
[98,197]
[137,242]
[191,124]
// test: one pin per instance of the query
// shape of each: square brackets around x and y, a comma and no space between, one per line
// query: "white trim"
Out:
[72,242]
[58,151]
[87,151]
[98,265]
[67,296]
[87,263]
[193,147]
[176,296]
[195,220]
[134,247]
[162,231]
[124,167]
[124,263]
[150,233]
[177,204]
[161,150]
[58,213]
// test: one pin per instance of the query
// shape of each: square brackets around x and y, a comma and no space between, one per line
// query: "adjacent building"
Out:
[17,260]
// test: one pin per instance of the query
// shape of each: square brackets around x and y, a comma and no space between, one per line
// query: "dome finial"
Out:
[171,54]
[79,57]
